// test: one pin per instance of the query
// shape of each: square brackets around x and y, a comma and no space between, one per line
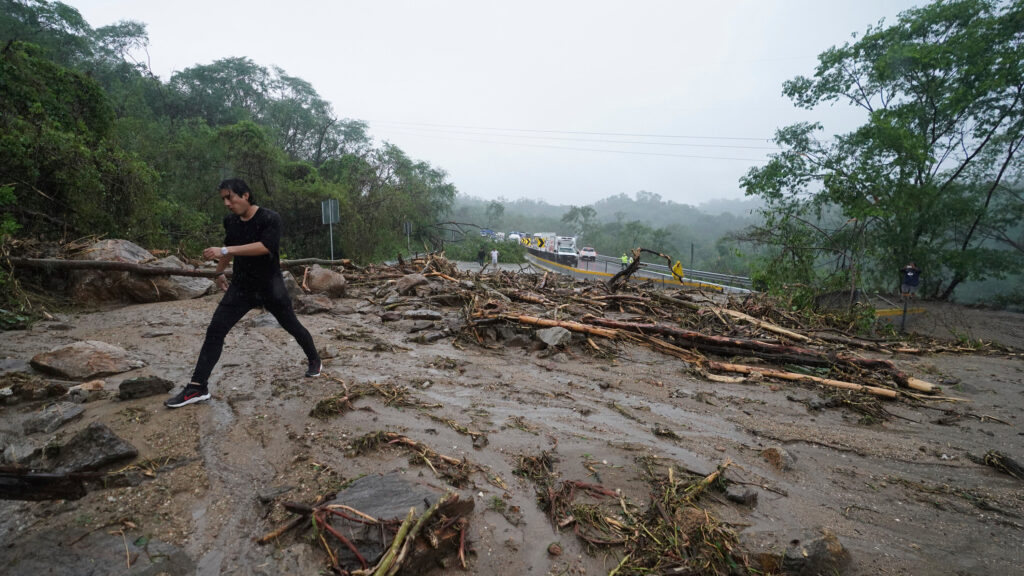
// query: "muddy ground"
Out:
[900,492]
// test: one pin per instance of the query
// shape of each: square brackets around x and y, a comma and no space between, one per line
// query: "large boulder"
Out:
[323,281]
[117,286]
[86,360]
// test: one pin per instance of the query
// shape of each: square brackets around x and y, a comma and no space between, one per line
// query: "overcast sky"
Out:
[565,101]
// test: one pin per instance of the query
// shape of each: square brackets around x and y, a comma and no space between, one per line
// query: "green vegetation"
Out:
[92,143]
[934,174]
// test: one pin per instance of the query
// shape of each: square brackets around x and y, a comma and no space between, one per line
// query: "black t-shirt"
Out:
[254,272]
[911,276]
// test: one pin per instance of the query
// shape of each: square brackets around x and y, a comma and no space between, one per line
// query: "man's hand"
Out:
[212,253]
[222,282]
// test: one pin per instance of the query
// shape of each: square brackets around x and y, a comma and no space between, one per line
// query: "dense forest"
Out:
[92,143]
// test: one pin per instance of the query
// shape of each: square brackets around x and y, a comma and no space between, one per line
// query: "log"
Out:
[568,325]
[777,352]
[783,375]
[35,487]
[140,269]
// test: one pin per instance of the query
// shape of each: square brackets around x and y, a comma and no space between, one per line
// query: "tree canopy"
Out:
[933,174]
[91,142]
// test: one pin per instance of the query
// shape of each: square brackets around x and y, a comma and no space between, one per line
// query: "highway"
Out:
[605,267]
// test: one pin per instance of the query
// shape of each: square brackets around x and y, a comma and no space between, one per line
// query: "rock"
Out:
[407,283]
[294,291]
[52,417]
[555,549]
[779,458]
[115,286]
[8,365]
[428,337]
[390,316]
[824,556]
[91,449]
[142,387]
[741,495]
[14,447]
[389,496]
[26,387]
[313,304]
[518,341]
[88,359]
[554,336]
[422,314]
[87,392]
[420,325]
[98,552]
[323,281]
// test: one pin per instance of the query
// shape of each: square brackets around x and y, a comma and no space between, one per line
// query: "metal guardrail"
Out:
[613,265]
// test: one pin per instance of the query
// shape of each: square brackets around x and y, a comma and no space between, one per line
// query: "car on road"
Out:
[588,253]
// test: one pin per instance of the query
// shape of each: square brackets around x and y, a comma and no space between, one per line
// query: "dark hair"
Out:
[239,187]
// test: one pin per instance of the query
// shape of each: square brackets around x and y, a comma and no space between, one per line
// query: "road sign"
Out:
[329,211]
[330,215]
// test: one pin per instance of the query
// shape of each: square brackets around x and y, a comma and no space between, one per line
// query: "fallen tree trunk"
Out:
[150,270]
[140,269]
[783,375]
[568,325]
[34,487]
[776,352]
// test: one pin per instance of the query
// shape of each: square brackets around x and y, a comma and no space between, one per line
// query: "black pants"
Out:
[235,304]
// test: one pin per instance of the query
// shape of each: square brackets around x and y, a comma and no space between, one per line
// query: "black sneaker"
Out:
[314,370]
[190,395]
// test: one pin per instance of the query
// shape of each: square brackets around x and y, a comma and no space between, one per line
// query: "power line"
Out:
[632,152]
[631,134]
[687,144]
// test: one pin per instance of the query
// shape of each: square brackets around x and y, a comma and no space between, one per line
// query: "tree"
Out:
[923,178]
[495,212]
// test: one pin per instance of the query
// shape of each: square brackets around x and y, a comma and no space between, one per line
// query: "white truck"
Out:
[565,251]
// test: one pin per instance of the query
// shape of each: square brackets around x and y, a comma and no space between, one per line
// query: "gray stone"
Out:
[85,360]
[779,458]
[420,325]
[393,299]
[741,495]
[824,556]
[91,449]
[294,291]
[422,314]
[407,283]
[96,552]
[52,417]
[388,496]
[428,337]
[117,286]
[87,392]
[323,281]
[8,365]
[142,387]
[313,304]
[554,336]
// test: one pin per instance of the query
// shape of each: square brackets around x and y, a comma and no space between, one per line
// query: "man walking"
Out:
[494,259]
[252,236]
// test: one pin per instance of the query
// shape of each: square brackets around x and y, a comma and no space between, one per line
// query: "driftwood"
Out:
[20,484]
[783,375]
[727,346]
[568,325]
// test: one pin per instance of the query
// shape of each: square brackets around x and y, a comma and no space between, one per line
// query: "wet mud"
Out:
[902,493]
